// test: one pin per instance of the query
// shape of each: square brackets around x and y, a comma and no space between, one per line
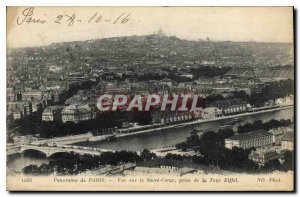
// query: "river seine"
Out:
[152,140]
[170,137]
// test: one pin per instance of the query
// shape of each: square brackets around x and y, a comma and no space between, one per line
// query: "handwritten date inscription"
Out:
[28,17]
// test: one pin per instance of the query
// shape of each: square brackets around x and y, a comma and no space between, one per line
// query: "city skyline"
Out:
[216,23]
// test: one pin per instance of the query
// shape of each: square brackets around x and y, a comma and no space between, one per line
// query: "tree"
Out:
[213,152]
[226,133]
[272,165]
[183,146]
[212,137]
[195,132]
[175,157]
[31,169]
[147,155]
[288,157]
[241,95]
[193,140]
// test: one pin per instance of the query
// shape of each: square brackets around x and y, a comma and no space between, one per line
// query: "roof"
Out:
[250,135]
[288,136]
[246,72]
[75,109]
[228,102]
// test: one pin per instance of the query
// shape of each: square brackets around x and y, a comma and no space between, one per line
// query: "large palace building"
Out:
[248,140]
[75,113]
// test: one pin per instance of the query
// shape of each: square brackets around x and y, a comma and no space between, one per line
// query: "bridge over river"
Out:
[50,150]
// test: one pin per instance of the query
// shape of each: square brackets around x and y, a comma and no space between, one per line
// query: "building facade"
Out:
[76,113]
[231,106]
[52,113]
[32,95]
[211,112]
[277,135]
[248,140]
[262,156]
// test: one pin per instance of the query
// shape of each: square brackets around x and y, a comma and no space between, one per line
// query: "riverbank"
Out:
[202,121]
[145,129]
[64,140]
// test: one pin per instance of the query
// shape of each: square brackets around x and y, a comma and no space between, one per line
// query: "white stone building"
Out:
[76,113]
[260,138]
[231,106]
[52,113]
[211,112]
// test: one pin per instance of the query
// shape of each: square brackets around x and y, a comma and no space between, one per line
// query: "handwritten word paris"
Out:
[28,16]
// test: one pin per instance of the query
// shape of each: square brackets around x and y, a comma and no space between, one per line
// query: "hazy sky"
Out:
[261,24]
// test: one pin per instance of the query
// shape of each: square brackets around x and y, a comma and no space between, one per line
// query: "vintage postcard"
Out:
[150,99]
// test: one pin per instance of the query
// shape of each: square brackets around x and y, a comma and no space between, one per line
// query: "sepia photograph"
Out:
[150,98]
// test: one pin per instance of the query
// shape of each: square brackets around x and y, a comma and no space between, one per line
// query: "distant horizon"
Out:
[193,40]
[42,26]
